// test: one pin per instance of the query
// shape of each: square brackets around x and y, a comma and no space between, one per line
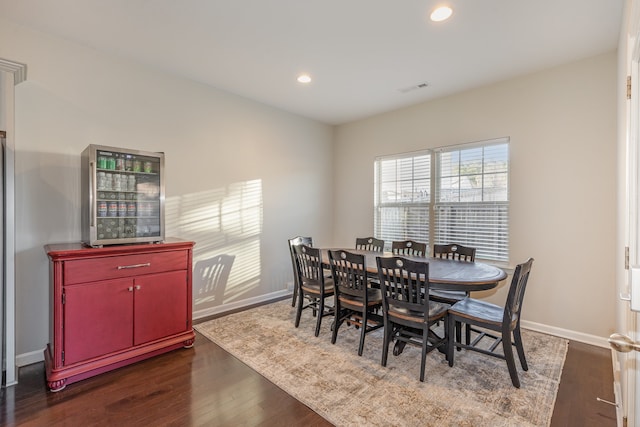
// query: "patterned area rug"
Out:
[348,390]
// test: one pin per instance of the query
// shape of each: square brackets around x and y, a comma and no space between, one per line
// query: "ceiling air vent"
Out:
[414,87]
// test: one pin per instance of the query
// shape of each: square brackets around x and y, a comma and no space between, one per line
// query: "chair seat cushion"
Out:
[471,308]
[447,296]
[374,297]
[315,289]
[436,310]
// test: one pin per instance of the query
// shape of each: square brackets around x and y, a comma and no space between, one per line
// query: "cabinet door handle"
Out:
[146,264]
[130,288]
[137,287]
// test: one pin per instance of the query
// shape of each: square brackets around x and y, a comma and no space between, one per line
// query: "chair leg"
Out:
[363,331]
[459,334]
[508,354]
[518,341]
[425,342]
[388,329]
[295,295]
[447,338]
[299,308]
[450,325]
[320,311]
[337,321]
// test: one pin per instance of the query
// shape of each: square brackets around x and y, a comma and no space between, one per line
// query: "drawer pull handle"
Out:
[146,264]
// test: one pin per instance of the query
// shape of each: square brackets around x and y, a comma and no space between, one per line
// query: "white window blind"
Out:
[467,191]
[403,197]
[472,198]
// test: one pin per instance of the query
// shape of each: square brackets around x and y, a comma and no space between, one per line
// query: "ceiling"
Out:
[364,55]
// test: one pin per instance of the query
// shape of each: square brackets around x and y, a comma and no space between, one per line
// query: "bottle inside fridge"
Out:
[123,196]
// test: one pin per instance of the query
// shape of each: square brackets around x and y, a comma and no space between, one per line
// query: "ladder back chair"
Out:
[454,251]
[457,252]
[409,247]
[408,313]
[313,285]
[355,300]
[503,321]
[299,240]
[369,244]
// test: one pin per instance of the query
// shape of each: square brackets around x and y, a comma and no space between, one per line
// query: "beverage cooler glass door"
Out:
[123,196]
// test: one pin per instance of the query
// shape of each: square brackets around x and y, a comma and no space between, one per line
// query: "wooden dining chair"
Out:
[503,321]
[369,244]
[355,301]
[408,313]
[313,285]
[299,240]
[408,247]
[456,252]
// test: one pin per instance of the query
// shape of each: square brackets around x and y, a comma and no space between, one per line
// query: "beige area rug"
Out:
[348,390]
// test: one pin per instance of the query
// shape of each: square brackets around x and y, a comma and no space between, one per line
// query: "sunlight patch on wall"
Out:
[226,224]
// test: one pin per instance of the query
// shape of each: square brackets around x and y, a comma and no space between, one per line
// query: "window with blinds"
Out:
[466,193]
[471,204]
[403,197]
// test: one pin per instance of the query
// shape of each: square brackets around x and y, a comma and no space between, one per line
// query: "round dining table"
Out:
[444,274]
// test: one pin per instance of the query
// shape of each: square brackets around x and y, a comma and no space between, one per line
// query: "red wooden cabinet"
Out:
[163,293]
[116,305]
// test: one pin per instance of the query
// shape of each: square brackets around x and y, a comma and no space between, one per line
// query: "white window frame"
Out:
[418,209]
[492,247]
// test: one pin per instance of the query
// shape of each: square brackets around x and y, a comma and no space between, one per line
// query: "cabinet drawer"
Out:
[94,269]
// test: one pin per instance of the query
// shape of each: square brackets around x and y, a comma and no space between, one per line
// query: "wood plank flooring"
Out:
[206,386]
[587,375]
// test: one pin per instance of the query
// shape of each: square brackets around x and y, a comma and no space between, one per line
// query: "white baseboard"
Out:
[25,359]
[36,356]
[199,314]
[566,333]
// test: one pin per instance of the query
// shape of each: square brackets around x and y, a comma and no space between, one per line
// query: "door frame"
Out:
[11,74]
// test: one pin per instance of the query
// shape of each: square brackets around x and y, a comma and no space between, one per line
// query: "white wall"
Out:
[562,125]
[221,150]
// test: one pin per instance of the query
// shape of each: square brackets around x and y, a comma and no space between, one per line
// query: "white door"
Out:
[626,375]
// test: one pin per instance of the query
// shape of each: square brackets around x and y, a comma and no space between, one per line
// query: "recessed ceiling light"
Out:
[442,13]
[304,78]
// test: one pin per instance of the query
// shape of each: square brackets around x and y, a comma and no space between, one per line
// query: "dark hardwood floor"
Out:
[587,375]
[206,386]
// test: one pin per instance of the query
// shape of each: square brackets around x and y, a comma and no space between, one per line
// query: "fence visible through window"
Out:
[457,194]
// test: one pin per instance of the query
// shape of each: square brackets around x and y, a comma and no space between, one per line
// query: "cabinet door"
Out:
[97,319]
[160,305]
